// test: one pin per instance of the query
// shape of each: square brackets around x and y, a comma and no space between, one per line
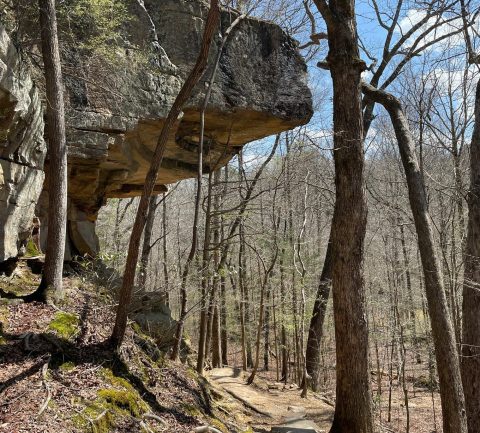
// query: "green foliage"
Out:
[94,25]
[65,325]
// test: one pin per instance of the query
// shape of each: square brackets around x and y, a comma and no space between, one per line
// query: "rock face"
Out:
[115,116]
[22,149]
[152,314]
[117,101]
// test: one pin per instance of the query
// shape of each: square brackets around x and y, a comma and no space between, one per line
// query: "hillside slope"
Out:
[57,374]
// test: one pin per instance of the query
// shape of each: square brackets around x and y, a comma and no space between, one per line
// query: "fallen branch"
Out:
[156,418]
[206,429]
[47,388]
[146,427]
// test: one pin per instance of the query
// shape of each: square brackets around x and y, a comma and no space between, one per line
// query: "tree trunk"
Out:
[315,331]
[168,131]
[283,329]
[471,285]
[216,341]
[451,390]
[216,338]
[223,282]
[202,338]
[241,284]
[57,153]
[266,331]
[353,408]
[147,239]
[166,287]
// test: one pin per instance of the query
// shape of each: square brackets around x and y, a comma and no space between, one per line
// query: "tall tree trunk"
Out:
[451,390]
[471,285]
[353,408]
[315,331]
[241,284]
[216,341]
[168,131]
[216,338]
[283,329]
[166,287]
[223,281]
[266,331]
[57,153]
[203,343]
[147,239]
[223,319]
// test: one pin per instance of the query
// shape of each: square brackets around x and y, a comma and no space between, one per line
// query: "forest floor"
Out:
[273,406]
[57,375]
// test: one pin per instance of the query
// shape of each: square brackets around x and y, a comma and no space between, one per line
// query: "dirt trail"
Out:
[272,407]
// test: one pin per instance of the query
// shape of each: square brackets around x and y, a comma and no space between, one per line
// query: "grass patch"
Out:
[65,325]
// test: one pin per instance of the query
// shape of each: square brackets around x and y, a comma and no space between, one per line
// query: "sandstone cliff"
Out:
[116,103]
[22,149]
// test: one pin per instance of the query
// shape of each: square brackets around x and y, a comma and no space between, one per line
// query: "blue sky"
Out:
[373,37]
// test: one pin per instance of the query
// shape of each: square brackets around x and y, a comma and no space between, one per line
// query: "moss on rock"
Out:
[31,249]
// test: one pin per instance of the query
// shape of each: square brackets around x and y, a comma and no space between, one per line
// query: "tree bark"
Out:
[451,390]
[168,131]
[471,285]
[166,287]
[203,342]
[147,239]
[353,408]
[57,153]
[315,331]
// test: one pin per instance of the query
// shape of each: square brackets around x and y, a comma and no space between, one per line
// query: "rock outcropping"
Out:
[22,149]
[116,107]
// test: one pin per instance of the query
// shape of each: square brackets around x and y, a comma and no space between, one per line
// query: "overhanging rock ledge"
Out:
[116,108]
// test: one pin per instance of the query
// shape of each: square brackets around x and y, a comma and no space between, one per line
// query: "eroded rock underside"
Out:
[116,108]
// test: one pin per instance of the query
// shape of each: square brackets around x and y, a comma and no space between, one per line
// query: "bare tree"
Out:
[57,152]
[353,409]
[169,128]
[451,390]
[471,284]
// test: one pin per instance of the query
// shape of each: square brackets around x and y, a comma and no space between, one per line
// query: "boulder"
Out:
[152,314]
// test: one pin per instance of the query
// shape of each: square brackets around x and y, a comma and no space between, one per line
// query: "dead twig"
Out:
[206,429]
[47,388]
[156,418]
[146,427]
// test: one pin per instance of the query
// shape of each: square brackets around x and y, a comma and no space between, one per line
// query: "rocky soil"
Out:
[58,376]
